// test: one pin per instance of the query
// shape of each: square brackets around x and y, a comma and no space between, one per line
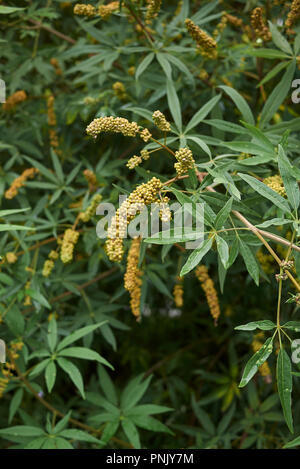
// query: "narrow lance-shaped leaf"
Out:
[223,250]
[174,104]
[289,180]
[240,103]
[285,386]
[78,334]
[256,361]
[266,192]
[279,40]
[250,261]
[73,373]
[196,257]
[264,325]
[278,95]
[202,113]
[223,214]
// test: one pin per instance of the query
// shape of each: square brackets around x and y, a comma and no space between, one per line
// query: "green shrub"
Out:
[188,102]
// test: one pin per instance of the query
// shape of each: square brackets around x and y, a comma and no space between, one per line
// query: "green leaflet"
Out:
[256,361]
[195,258]
[266,192]
[285,386]
[264,325]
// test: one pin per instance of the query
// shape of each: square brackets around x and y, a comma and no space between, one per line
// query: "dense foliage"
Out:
[116,342]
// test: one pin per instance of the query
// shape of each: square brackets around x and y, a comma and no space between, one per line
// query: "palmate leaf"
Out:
[256,361]
[285,386]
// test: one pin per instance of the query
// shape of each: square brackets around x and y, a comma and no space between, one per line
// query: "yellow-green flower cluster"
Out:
[67,247]
[91,209]
[91,179]
[27,300]
[178,292]
[14,99]
[12,191]
[207,45]
[276,184]
[145,135]
[203,75]
[105,11]
[178,8]
[49,263]
[165,212]
[258,24]
[294,14]
[185,161]
[119,90]
[237,22]
[114,125]
[131,70]
[54,142]
[84,10]
[9,367]
[211,294]
[11,257]
[136,160]
[55,64]
[221,26]
[144,194]
[153,7]
[132,277]
[161,122]
[47,268]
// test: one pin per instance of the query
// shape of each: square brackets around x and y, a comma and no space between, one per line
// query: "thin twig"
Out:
[52,31]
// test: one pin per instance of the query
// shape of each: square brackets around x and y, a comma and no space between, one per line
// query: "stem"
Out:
[164,146]
[147,34]
[279,302]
